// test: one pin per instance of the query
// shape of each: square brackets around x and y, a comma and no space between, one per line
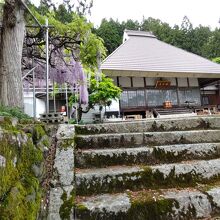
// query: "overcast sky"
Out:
[205,12]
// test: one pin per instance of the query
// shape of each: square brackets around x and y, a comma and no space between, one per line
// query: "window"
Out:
[157,97]
[132,98]
[189,95]
[141,98]
[205,100]
[124,99]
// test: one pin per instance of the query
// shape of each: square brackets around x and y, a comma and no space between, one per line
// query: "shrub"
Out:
[13,112]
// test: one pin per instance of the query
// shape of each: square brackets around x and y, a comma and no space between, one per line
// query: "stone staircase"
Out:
[155,169]
[174,112]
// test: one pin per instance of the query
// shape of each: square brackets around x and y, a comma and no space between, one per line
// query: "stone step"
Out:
[118,178]
[176,124]
[146,155]
[126,140]
[151,205]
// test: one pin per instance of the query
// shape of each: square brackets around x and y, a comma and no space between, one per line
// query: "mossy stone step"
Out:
[146,155]
[176,124]
[147,205]
[125,140]
[117,179]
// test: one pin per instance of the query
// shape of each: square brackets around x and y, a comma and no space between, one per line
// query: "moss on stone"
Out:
[26,121]
[38,133]
[81,208]
[7,124]
[46,141]
[67,206]
[144,178]
[20,190]
[170,156]
[150,209]
[22,202]
[66,143]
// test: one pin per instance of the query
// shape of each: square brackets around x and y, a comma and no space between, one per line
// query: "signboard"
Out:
[162,84]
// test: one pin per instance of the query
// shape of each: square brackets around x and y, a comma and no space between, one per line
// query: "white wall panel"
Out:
[138,81]
[193,82]
[150,81]
[182,82]
[125,81]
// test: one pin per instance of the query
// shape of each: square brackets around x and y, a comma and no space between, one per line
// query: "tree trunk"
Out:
[12,37]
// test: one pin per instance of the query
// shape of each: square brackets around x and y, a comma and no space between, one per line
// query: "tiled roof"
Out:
[143,52]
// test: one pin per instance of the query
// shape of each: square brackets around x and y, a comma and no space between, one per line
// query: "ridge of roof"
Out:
[138,33]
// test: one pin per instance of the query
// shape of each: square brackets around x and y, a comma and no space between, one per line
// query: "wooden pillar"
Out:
[177,92]
[117,80]
[131,81]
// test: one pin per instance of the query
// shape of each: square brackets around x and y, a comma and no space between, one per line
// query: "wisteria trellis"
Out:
[64,70]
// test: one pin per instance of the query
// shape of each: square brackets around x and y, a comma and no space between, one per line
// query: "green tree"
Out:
[183,36]
[160,29]
[101,93]
[201,35]
[200,40]
[130,25]
[71,33]
[63,15]
[212,47]
[216,60]
[111,32]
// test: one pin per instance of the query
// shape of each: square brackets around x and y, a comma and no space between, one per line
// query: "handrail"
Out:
[23,77]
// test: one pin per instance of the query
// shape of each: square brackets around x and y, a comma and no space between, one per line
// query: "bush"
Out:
[13,112]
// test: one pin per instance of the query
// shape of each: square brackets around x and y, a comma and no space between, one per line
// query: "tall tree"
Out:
[130,25]
[111,32]
[160,29]
[12,37]
[212,47]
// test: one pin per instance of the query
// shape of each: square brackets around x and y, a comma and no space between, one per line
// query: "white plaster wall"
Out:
[125,37]
[138,81]
[182,82]
[150,81]
[114,106]
[193,82]
[125,81]
[28,105]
